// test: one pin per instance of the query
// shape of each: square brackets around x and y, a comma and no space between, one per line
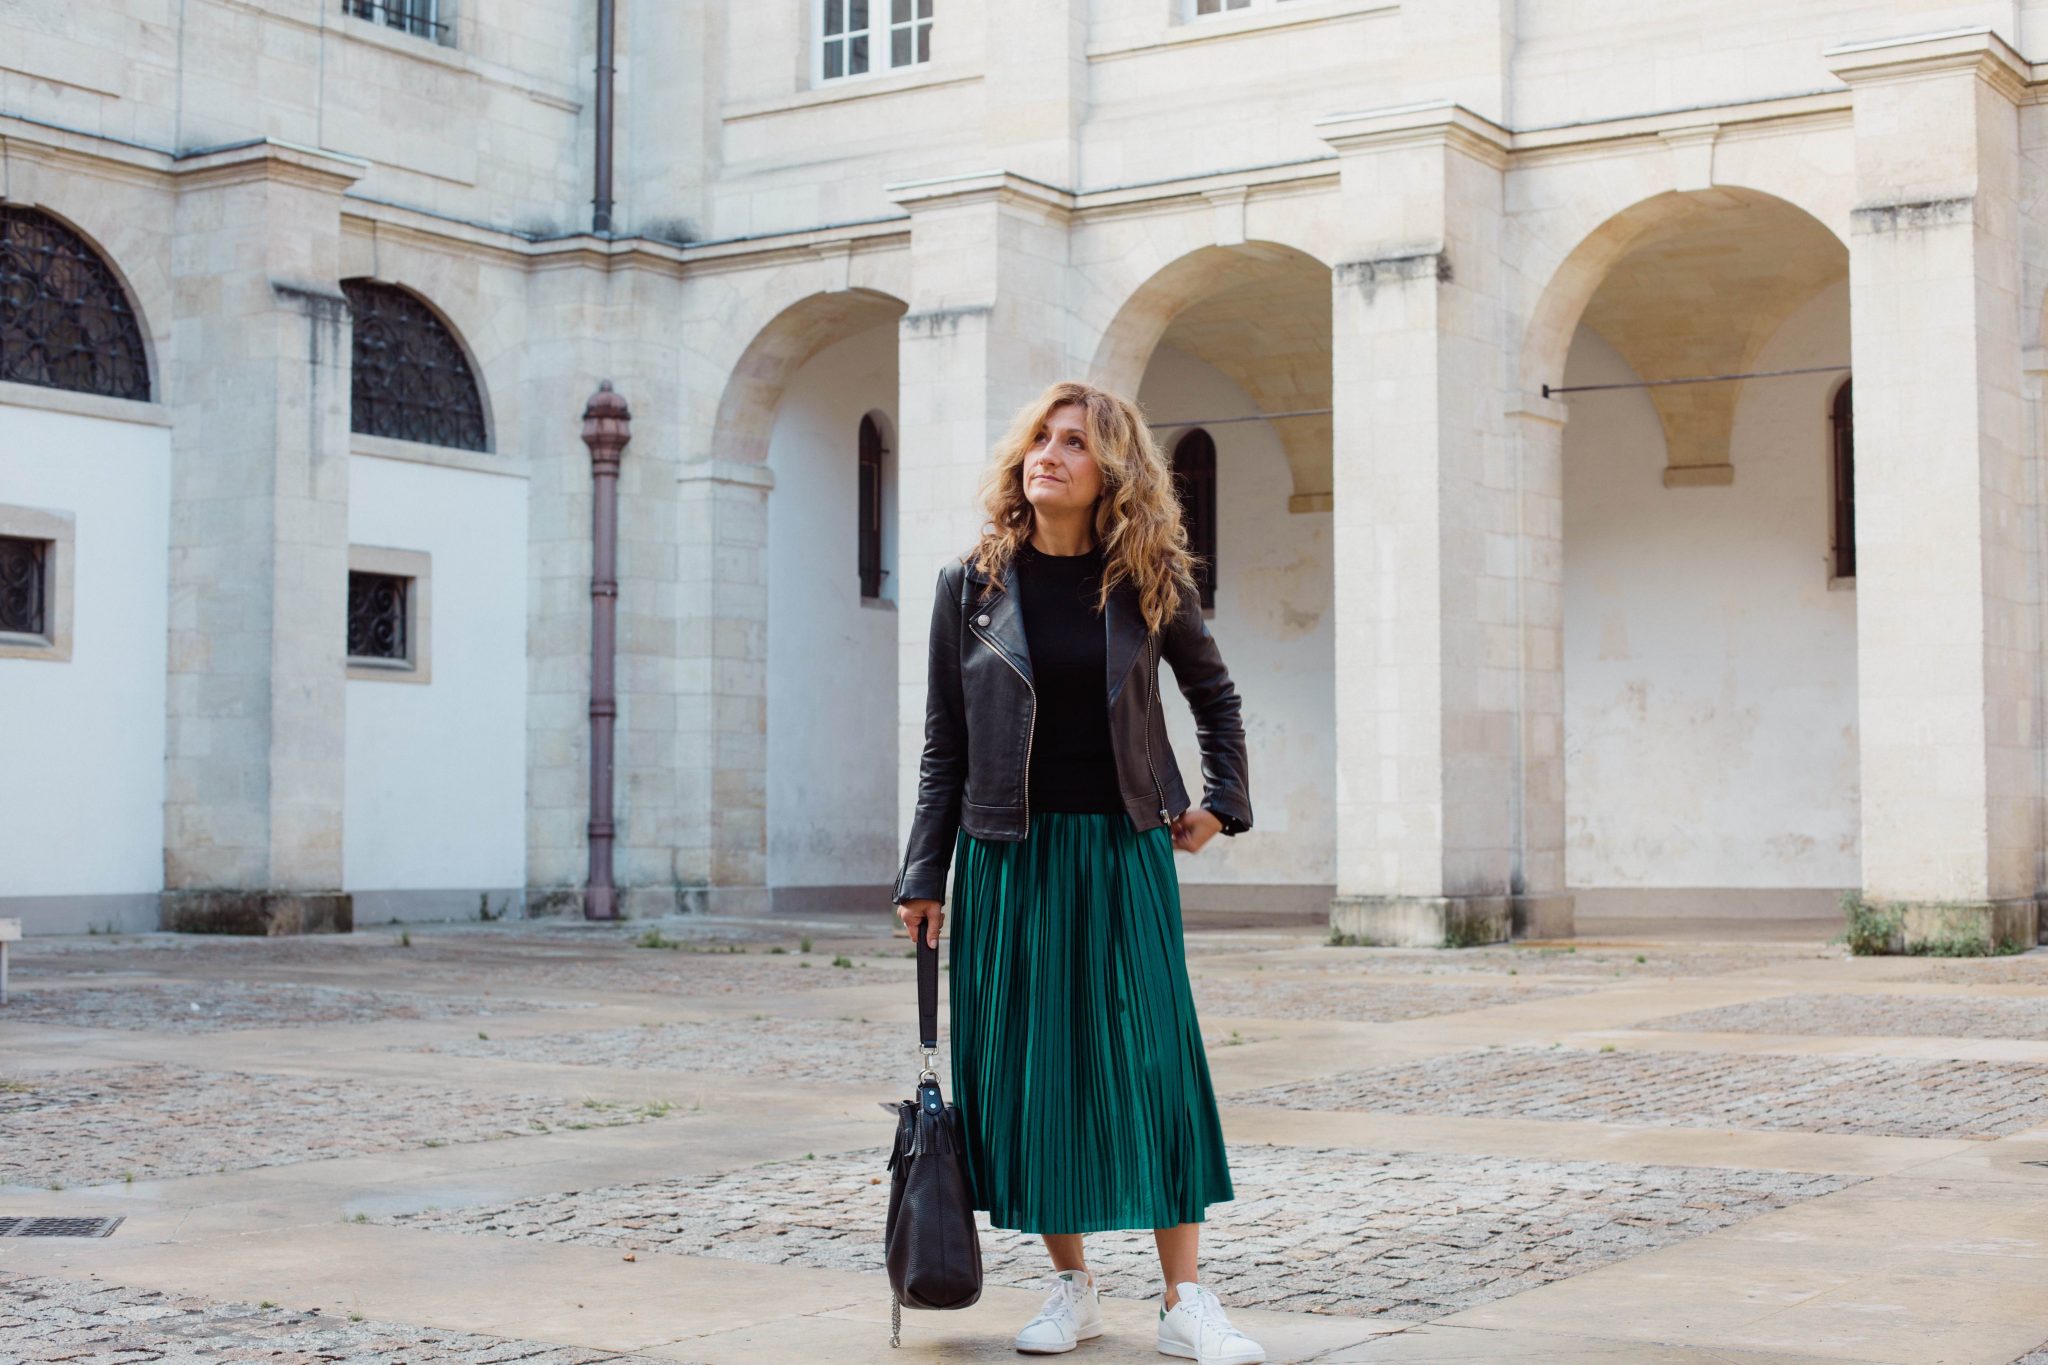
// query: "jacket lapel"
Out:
[1005,628]
[1124,633]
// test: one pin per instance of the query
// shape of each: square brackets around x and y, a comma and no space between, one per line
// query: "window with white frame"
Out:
[1198,9]
[866,37]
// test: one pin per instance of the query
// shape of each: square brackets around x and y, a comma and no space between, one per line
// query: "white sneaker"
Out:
[1070,1316]
[1196,1328]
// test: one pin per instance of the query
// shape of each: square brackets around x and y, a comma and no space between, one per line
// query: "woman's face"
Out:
[1060,473]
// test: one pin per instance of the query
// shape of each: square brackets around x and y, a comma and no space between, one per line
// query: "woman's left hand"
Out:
[1194,827]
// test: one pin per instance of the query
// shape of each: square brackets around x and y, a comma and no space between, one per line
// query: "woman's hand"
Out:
[927,915]
[1194,827]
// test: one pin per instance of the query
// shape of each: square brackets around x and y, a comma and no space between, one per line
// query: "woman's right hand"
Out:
[924,914]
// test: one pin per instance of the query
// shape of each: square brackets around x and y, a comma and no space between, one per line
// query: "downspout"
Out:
[601,213]
[607,426]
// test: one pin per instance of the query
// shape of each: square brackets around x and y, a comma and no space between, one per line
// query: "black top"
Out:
[1072,765]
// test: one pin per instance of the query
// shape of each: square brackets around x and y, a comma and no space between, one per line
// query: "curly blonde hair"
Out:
[1137,517]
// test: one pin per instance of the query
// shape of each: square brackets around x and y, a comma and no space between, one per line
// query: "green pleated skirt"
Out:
[1077,1060]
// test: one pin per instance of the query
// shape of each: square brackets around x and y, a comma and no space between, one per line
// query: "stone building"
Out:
[304,301]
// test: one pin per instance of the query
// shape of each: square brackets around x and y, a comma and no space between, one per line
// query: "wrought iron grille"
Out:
[22,575]
[418,17]
[410,379]
[58,1227]
[376,616]
[65,321]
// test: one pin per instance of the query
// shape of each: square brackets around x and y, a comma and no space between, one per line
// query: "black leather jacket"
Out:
[980,712]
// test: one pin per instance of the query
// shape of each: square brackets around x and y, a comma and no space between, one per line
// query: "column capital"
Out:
[1430,123]
[269,158]
[979,187]
[1920,55]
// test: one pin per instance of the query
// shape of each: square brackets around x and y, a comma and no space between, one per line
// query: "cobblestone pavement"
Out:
[215,1006]
[1880,1016]
[1891,1096]
[1324,1230]
[156,1120]
[2022,969]
[1295,995]
[693,970]
[844,1050]
[43,1319]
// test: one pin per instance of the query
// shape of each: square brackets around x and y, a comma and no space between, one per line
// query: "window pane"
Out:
[834,56]
[835,16]
[21,584]
[899,11]
[1208,6]
[924,42]
[376,616]
[899,47]
[856,56]
[924,9]
[856,16]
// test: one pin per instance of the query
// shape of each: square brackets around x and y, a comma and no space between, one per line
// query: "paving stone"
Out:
[45,1319]
[1326,1230]
[1902,1097]
[1886,1015]
[217,1006]
[1298,995]
[158,1120]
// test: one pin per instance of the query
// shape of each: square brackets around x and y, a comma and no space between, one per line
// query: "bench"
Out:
[10,932]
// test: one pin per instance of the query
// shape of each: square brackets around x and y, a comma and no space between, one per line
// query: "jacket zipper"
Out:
[1029,733]
[1151,699]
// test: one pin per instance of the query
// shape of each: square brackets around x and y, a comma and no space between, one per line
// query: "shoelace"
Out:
[1208,1309]
[1065,1294]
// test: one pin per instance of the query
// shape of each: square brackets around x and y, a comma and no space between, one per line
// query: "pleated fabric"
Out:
[1077,1058]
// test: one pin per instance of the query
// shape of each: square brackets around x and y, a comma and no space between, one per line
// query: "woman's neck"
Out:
[1050,537]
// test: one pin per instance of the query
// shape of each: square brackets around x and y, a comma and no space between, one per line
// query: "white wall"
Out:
[436,772]
[1710,672]
[1273,624]
[86,736]
[831,659]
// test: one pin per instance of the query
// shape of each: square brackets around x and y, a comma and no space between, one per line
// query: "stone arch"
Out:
[1642,277]
[754,387]
[1210,298]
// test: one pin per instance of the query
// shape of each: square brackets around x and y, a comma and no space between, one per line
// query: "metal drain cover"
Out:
[57,1227]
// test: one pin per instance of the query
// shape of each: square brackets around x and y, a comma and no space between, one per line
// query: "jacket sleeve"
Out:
[942,772]
[1219,725]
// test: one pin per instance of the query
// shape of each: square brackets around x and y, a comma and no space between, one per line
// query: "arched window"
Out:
[871,453]
[1194,478]
[65,321]
[1842,446]
[408,377]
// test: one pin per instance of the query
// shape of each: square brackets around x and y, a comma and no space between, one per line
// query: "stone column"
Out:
[259,544]
[722,707]
[1947,629]
[1443,593]
[986,331]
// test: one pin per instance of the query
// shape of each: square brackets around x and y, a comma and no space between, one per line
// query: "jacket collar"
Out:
[1123,624]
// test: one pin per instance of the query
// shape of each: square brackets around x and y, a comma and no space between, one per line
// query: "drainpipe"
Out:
[607,426]
[601,214]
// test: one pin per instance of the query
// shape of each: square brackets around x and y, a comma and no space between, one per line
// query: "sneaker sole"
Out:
[1058,1350]
[1188,1353]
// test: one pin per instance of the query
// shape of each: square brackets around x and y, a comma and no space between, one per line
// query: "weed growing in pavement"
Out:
[405,938]
[778,951]
[805,943]
[483,1036]
[842,960]
[435,1142]
[654,938]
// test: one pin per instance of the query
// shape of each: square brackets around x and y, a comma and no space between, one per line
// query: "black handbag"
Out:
[931,1245]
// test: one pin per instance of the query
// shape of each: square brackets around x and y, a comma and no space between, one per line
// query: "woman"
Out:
[1077,1060]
